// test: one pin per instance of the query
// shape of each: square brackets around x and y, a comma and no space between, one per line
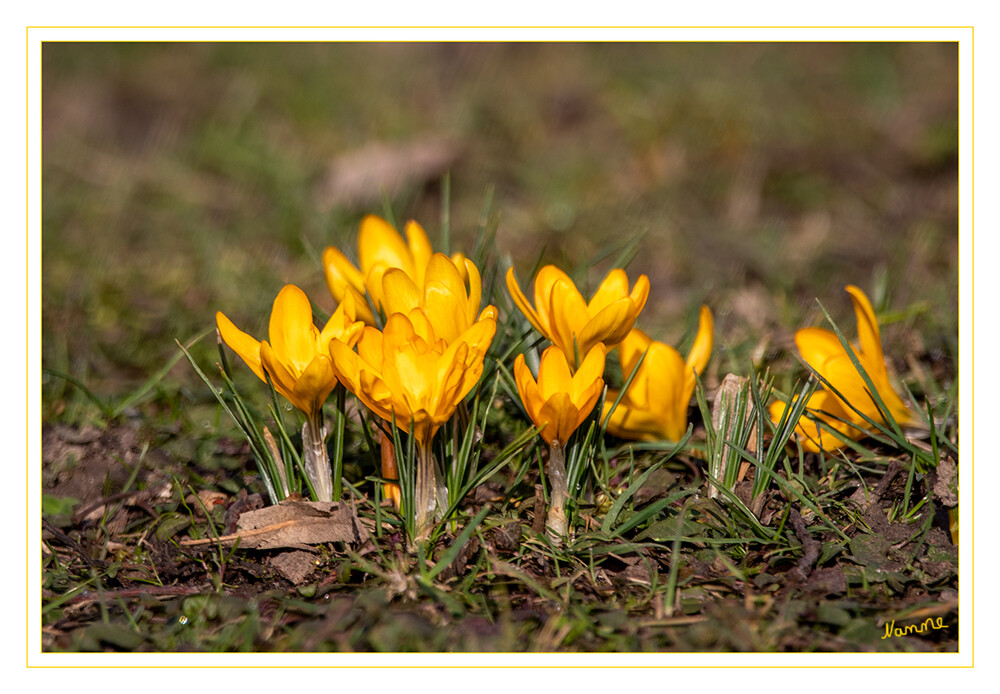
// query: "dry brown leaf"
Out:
[205,500]
[292,524]
[945,483]
[295,565]
[360,177]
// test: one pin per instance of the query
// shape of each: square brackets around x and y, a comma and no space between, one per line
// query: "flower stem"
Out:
[555,520]
[426,493]
[315,458]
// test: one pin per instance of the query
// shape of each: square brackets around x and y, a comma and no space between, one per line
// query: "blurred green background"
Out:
[181,179]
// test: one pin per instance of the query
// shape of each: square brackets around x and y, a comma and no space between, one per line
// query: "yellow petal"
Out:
[527,389]
[370,348]
[701,350]
[812,437]
[292,334]
[421,327]
[566,314]
[663,371]
[480,334]
[380,244]
[560,418]
[669,389]
[845,378]
[410,376]
[631,348]
[478,339]
[316,382]
[463,263]
[613,288]
[553,373]
[245,346]
[610,326]
[588,375]
[868,332]
[640,293]
[489,313]
[342,325]
[631,423]
[347,365]
[656,403]
[341,273]
[470,274]
[818,346]
[556,297]
[362,309]
[282,379]
[420,250]
[456,376]
[521,301]
[373,392]
[445,298]
[373,284]
[399,293]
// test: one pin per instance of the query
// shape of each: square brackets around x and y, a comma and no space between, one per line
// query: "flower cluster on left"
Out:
[408,339]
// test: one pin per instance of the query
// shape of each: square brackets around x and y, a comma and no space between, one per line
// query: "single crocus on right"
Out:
[824,353]
[656,403]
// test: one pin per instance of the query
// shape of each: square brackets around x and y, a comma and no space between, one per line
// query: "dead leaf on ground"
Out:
[292,524]
[295,565]
[360,177]
[944,483]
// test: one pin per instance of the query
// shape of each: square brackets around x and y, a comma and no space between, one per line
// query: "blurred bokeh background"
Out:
[181,179]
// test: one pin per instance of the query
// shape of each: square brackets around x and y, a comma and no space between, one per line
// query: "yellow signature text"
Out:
[927,625]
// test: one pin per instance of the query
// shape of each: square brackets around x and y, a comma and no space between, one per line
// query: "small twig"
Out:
[810,547]
[157,592]
[538,523]
[865,499]
[72,544]
[890,474]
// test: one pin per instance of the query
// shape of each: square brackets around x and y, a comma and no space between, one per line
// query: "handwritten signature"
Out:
[927,625]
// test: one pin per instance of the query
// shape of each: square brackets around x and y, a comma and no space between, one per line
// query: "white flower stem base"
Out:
[425,499]
[555,520]
[315,458]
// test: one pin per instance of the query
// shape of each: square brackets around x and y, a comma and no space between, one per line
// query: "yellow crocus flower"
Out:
[450,305]
[574,325]
[558,402]
[824,353]
[656,403]
[380,248]
[407,370]
[297,356]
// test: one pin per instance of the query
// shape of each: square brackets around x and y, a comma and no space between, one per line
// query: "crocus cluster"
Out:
[413,372]
[409,338]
